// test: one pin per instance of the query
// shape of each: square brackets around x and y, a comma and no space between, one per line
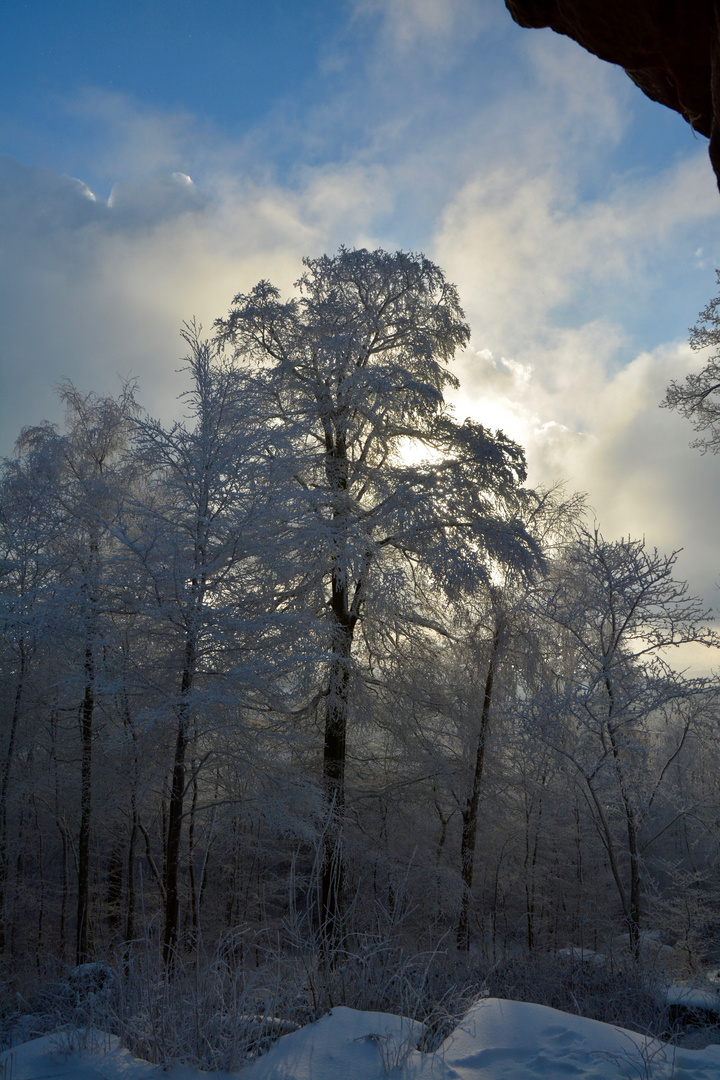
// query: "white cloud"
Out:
[95,289]
[407,25]
[519,244]
[566,270]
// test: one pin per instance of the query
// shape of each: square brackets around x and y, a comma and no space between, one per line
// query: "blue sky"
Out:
[227,64]
[158,157]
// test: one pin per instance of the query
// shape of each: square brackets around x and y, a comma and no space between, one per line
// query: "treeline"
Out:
[313,663]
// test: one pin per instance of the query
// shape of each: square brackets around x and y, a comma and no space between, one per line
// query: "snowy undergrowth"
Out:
[496,1040]
[223,1009]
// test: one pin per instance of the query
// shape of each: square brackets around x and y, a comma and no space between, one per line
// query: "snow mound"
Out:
[51,1057]
[497,1040]
[344,1045]
[512,1040]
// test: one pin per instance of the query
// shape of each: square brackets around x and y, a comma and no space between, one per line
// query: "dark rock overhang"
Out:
[670,48]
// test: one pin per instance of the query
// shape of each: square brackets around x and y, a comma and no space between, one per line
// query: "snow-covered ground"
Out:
[497,1040]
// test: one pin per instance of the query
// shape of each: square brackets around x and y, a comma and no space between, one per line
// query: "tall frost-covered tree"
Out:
[75,477]
[356,365]
[203,527]
[31,531]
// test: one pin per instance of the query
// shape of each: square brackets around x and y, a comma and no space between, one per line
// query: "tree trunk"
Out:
[634,912]
[530,868]
[172,849]
[82,932]
[4,788]
[175,811]
[130,892]
[115,887]
[632,909]
[129,930]
[343,621]
[470,812]
[605,833]
[334,753]
[62,829]
[194,912]
[65,886]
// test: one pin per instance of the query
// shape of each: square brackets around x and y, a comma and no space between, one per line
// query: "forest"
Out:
[310,700]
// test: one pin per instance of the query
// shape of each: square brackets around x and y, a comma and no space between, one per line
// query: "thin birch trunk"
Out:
[471,809]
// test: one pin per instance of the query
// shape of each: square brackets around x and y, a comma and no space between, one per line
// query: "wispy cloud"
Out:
[433,27]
